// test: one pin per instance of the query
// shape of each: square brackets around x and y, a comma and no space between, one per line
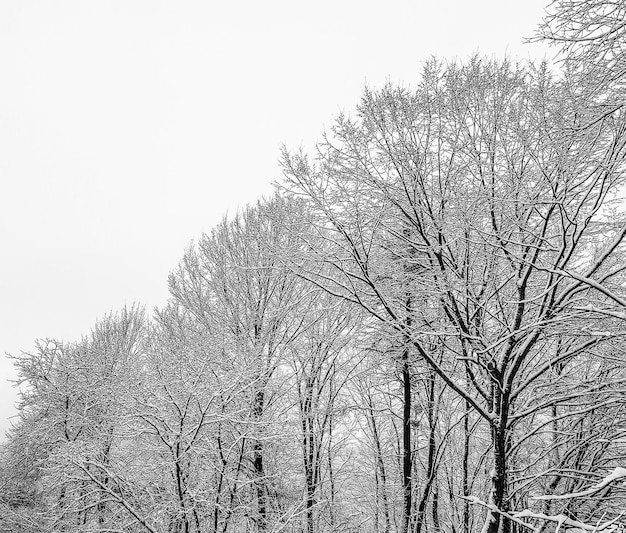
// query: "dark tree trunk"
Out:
[258,466]
[435,509]
[499,523]
[309,457]
[331,473]
[230,508]
[407,459]
[381,486]
[406,444]
[466,488]
[182,523]
[431,461]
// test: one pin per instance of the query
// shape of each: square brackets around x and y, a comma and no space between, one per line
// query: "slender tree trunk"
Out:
[432,450]
[105,481]
[467,522]
[406,444]
[259,468]
[407,459]
[331,473]
[465,467]
[220,482]
[234,489]
[309,455]
[61,502]
[381,486]
[435,509]
[183,523]
[81,516]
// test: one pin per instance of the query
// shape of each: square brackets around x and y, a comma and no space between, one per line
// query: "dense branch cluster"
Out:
[422,331]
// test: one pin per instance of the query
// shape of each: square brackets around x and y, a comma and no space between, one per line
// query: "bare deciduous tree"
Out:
[501,215]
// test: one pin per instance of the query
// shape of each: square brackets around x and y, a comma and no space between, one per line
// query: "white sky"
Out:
[129,127]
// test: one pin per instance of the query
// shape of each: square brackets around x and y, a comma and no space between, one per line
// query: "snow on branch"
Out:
[493,509]
[561,520]
[618,473]
[573,526]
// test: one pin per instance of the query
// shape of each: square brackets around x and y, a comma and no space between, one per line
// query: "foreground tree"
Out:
[500,218]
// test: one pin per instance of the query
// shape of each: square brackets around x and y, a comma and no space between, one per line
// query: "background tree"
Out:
[591,36]
[72,414]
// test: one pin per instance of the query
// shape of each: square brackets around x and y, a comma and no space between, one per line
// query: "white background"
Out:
[127,128]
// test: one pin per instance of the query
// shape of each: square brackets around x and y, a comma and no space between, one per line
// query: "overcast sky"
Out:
[127,128]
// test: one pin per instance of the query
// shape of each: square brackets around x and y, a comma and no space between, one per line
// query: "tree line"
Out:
[421,331]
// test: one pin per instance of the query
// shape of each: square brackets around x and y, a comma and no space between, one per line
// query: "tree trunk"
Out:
[496,523]
[259,469]
[435,509]
[466,488]
[406,444]
[331,473]
[381,486]
[309,460]
[432,451]
[182,522]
